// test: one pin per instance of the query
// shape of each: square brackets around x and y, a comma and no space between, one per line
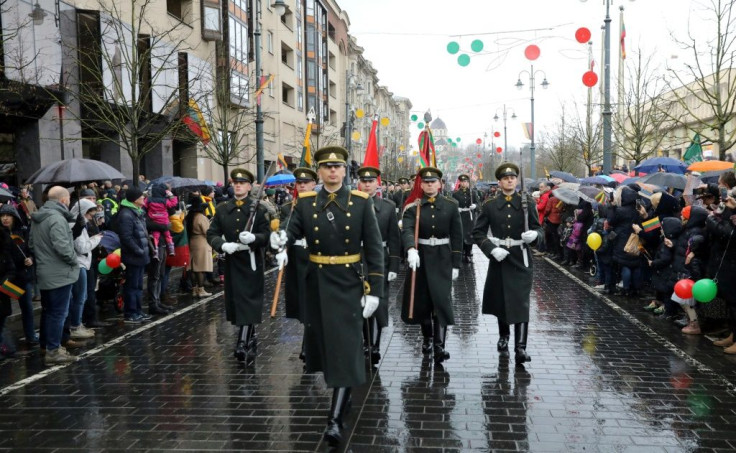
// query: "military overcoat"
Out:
[391,237]
[243,285]
[335,225]
[295,288]
[508,283]
[465,198]
[439,218]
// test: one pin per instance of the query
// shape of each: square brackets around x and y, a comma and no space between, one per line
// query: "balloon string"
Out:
[715,277]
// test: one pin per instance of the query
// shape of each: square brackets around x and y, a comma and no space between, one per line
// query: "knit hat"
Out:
[87,193]
[133,193]
[686,212]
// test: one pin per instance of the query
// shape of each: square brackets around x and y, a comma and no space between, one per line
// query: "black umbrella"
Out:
[563,175]
[71,171]
[5,194]
[662,179]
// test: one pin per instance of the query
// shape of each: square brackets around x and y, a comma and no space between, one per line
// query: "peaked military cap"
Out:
[331,154]
[241,175]
[430,174]
[403,181]
[463,177]
[506,169]
[368,173]
[304,174]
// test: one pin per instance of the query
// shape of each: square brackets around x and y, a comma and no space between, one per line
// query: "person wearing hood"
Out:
[662,265]
[83,246]
[57,269]
[691,252]
[135,253]
[23,261]
[625,219]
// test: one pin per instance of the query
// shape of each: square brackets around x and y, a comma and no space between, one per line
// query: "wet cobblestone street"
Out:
[603,378]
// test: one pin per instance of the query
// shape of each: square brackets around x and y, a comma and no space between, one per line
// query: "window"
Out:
[287,94]
[211,29]
[269,42]
[300,101]
[287,55]
[333,90]
[332,60]
[181,9]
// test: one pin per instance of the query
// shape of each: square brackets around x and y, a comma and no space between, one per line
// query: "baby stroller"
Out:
[110,286]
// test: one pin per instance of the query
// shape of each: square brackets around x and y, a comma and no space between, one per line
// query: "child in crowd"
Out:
[574,243]
[690,254]
[564,238]
[157,207]
[662,265]
[604,253]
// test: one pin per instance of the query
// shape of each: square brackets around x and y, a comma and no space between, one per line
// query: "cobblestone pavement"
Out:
[603,377]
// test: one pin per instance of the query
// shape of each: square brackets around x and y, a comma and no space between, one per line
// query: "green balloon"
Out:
[705,290]
[104,268]
[449,140]
[463,60]
[476,45]
[454,144]
[457,139]
[453,47]
[414,117]
[420,125]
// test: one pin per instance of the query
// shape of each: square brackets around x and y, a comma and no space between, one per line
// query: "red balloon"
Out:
[582,35]
[480,165]
[496,134]
[478,141]
[499,150]
[467,159]
[531,52]
[112,260]
[684,288]
[479,155]
[590,78]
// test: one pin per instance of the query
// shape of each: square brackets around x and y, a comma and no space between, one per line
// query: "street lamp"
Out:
[513,117]
[519,84]
[350,86]
[607,130]
[281,8]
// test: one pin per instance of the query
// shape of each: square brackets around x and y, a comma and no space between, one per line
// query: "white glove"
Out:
[529,236]
[232,247]
[401,224]
[246,237]
[499,253]
[473,206]
[392,276]
[412,258]
[369,304]
[278,239]
[282,259]
[455,273]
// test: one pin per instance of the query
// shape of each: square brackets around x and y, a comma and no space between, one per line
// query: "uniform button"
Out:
[350,203]
[237,231]
[347,265]
[508,226]
[347,227]
[346,253]
[433,216]
[237,220]
[314,205]
[347,241]
[319,253]
[432,226]
[316,228]
[320,266]
[432,206]
[509,216]
[348,214]
[314,216]
[316,241]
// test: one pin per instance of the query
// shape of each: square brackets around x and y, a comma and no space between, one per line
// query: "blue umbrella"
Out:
[280,179]
[667,164]
[563,175]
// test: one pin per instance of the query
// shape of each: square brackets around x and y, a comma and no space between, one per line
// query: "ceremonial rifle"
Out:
[524,201]
[252,216]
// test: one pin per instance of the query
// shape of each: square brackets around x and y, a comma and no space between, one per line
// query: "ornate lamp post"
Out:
[519,84]
[513,117]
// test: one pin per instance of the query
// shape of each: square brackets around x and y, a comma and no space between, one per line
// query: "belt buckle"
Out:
[507,242]
[332,259]
[433,241]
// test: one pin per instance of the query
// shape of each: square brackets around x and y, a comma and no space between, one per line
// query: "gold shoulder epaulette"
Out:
[307,194]
[360,194]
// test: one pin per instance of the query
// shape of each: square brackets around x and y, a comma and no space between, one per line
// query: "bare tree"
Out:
[587,136]
[136,78]
[559,150]
[639,130]
[704,93]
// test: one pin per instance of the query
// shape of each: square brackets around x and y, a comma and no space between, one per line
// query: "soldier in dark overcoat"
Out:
[295,289]
[402,191]
[467,203]
[499,233]
[436,262]
[340,280]
[391,237]
[244,249]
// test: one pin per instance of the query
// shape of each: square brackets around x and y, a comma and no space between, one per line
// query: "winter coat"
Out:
[574,242]
[199,248]
[131,227]
[542,205]
[692,239]
[53,246]
[605,251]
[620,219]
[553,211]
[663,272]
[722,262]
[84,243]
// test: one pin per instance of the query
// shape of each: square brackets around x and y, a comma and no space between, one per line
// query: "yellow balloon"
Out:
[356,136]
[359,113]
[594,241]
[385,121]
[401,159]
[401,148]
[117,252]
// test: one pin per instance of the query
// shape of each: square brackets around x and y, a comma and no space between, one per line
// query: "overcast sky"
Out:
[406,40]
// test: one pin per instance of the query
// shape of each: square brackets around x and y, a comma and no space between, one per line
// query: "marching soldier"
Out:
[466,199]
[244,274]
[391,236]
[402,191]
[436,262]
[499,233]
[295,290]
[334,223]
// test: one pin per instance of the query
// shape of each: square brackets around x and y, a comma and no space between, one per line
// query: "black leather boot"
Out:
[240,345]
[426,336]
[303,353]
[521,330]
[250,344]
[502,346]
[440,355]
[333,432]
[375,340]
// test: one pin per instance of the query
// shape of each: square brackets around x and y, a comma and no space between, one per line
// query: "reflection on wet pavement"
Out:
[597,382]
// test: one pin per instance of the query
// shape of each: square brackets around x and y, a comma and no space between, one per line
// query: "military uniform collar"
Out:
[514,200]
[432,200]
[338,198]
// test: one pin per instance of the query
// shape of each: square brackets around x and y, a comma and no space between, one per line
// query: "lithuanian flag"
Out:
[651,224]
[10,290]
